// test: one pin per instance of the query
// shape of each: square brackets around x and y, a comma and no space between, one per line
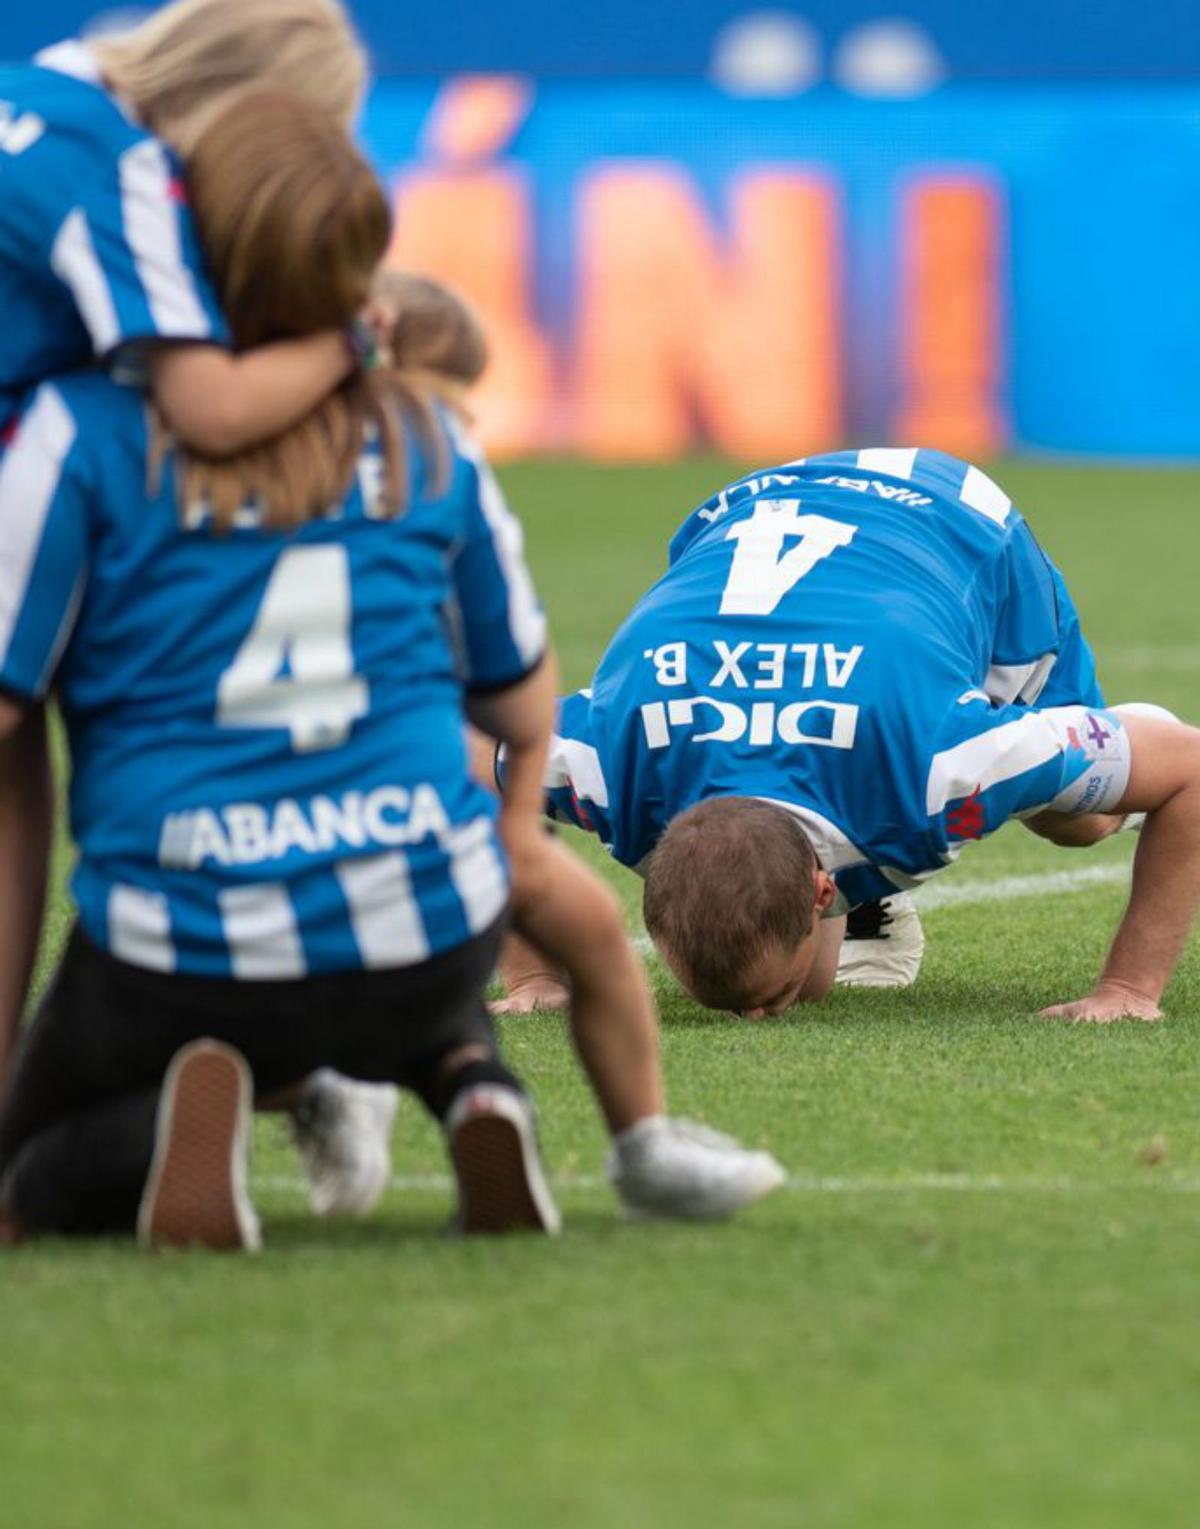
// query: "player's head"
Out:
[732,899]
[189,60]
[433,329]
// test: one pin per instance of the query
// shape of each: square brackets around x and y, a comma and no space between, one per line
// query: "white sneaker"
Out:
[884,944]
[678,1170]
[196,1192]
[492,1137]
[343,1131]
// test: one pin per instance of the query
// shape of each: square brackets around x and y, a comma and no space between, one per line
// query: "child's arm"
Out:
[220,403]
[26,818]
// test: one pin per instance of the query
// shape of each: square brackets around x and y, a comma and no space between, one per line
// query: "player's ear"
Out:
[826,889]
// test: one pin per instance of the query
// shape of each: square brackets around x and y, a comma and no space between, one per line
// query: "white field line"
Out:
[917,1183]
[1007,889]
[1152,657]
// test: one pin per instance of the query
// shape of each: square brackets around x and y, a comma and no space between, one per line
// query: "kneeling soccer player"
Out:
[284,864]
[853,666]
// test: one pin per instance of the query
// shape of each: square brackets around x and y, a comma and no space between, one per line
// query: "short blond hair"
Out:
[187,62]
[731,879]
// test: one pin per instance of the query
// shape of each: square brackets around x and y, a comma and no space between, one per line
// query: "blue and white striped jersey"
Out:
[97,246]
[269,774]
[859,637]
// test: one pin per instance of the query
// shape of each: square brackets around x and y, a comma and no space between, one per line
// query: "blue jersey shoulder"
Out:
[98,250]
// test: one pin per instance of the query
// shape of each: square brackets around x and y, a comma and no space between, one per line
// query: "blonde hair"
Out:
[188,61]
[294,223]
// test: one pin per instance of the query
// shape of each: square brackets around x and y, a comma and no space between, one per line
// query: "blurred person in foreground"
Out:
[100,263]
[855,665]
[284,864]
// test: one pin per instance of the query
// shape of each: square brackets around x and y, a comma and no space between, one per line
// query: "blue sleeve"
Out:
[1039,653]
[995,763]
[503,627]
[576,790]
[131,257]
[44,499]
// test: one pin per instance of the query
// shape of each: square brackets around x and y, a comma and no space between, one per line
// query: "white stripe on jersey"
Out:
[139,928]
[895,461]
[833,848]
[1007,683]
[980,493]
[478,874]
[1000,754]
[63,636]
[384,914]
[575,764]
[152,229]
[71,58]
[260,930]
[526,620]
[28,480]
[73,260]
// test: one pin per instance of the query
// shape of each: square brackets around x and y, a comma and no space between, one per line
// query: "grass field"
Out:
[975,1303]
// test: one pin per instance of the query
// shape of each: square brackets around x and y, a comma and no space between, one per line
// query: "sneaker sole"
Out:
[196,1193]
[501,1186]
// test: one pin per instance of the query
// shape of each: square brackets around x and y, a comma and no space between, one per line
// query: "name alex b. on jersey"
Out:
[758,667]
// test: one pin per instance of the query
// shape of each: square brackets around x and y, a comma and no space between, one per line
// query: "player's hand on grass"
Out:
[534,995]
[1110,1001]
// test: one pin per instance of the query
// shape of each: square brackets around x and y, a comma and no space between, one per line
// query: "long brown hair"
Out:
[293,223]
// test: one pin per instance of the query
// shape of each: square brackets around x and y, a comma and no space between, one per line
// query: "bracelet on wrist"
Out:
[363,345]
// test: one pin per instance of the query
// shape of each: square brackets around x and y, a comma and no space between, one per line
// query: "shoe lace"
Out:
[868,922]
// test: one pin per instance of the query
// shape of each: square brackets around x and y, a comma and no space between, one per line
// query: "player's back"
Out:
[269,772]
[905,542]
[816,624]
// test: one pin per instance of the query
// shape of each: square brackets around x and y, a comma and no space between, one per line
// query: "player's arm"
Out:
[521,717]
[153,315]
[43,563]
[1164,783]
[219,403]
[532,980]
[26,824]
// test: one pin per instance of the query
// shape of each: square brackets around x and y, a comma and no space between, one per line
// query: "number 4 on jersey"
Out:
[295,668]
[761,572]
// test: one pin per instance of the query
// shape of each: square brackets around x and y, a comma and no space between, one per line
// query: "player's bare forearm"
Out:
[531,979]
[1165,896]
[26,824]
[219,403]
[521,717]
[573,918]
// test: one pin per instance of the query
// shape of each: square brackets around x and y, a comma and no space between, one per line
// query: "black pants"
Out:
[77,1126]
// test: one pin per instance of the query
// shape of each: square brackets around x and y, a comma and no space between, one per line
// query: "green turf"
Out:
[975,1306]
